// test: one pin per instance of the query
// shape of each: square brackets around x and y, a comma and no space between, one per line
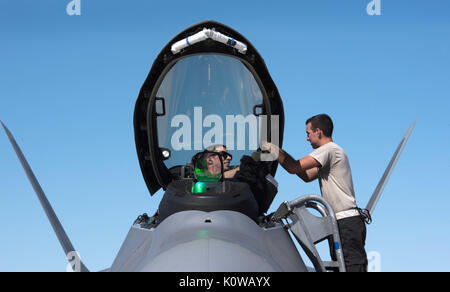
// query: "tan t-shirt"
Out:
[335,177]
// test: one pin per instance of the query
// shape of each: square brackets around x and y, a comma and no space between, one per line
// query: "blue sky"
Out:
[68,85]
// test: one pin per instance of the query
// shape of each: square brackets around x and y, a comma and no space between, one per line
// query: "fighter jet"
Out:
[208,221]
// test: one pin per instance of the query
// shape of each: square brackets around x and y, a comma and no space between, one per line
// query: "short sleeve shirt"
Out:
[335,177]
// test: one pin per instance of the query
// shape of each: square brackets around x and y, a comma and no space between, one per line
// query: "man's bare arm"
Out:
[308,169]
[305,168]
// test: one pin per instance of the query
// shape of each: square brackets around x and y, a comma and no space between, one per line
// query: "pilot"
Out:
[329,163]
[213,163]
[229,171]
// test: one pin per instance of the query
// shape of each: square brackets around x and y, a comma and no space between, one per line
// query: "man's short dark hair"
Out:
[323,122]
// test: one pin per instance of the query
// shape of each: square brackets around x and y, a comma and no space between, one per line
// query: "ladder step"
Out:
[331,264]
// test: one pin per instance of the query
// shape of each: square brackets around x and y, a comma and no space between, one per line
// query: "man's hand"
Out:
[305,168]
[266,146]
[273,149]
[283,158]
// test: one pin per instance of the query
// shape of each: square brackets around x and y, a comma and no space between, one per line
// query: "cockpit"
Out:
[200,117]
[204,100]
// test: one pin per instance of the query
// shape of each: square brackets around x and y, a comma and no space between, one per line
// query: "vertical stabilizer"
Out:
[387,173]
[64,240]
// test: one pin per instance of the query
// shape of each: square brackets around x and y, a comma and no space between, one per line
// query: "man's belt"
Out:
[347,214]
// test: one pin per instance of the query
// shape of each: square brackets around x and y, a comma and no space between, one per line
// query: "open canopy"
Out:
[208,86]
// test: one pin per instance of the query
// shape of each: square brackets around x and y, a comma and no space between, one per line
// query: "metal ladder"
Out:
[310,230]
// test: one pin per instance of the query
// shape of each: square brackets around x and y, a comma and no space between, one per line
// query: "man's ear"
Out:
[319,131]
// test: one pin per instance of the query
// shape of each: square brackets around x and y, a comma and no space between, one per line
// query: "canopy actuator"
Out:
[209,34]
